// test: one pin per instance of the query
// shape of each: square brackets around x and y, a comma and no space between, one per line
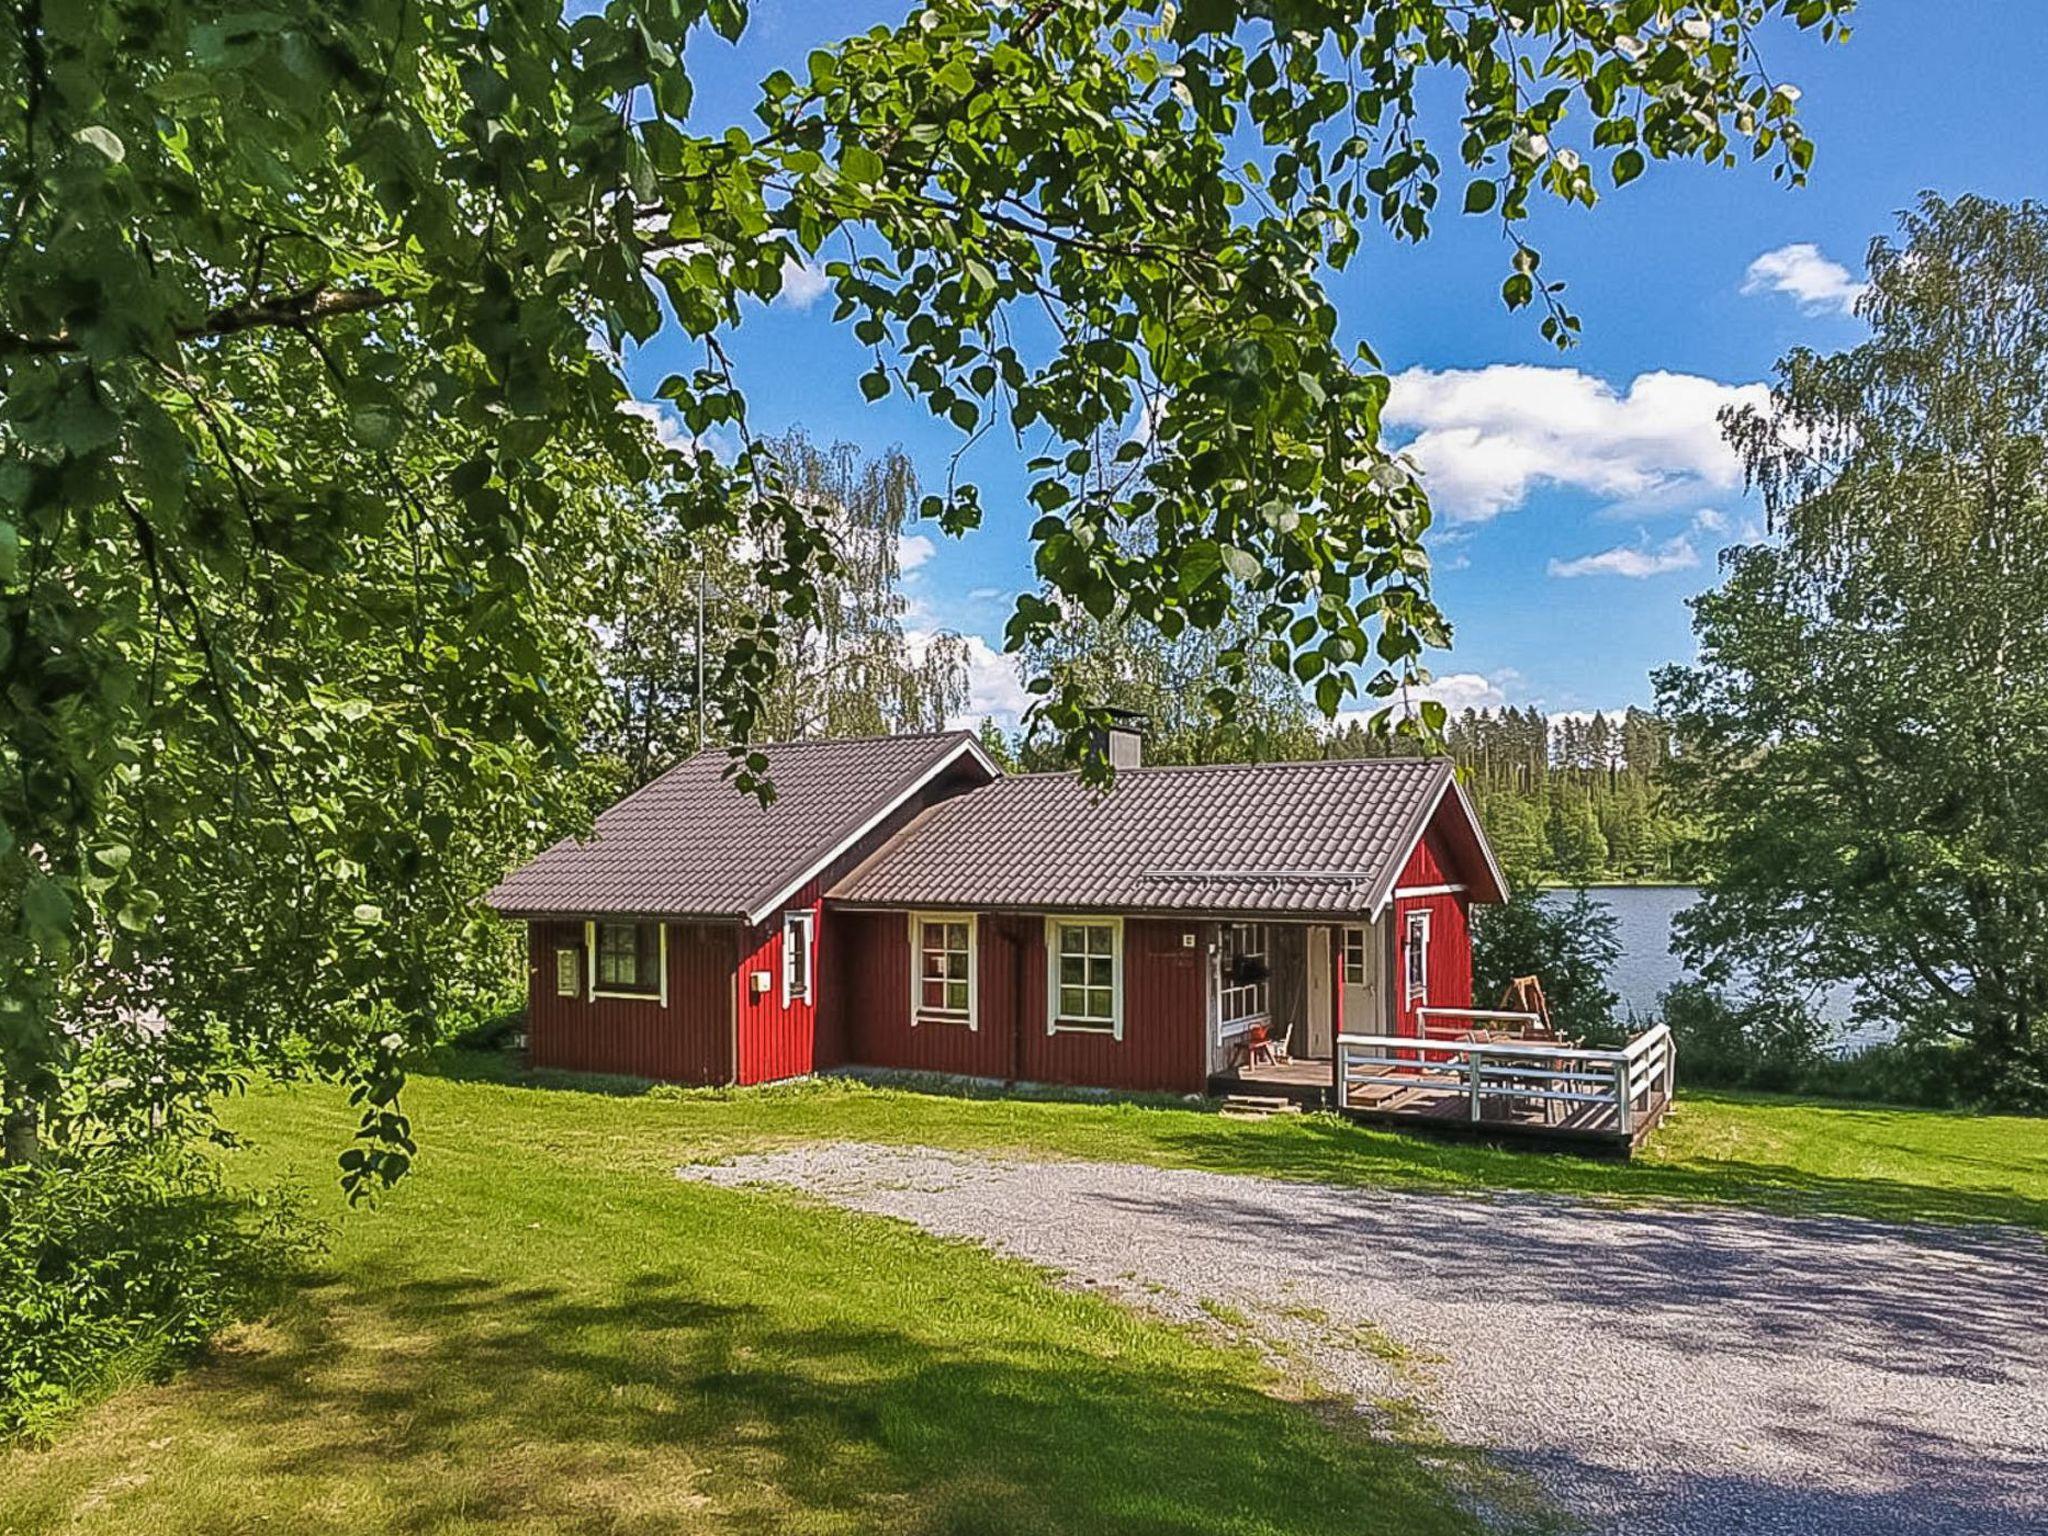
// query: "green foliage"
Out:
[1571,947]
[1564,798]
[844,665]
[1866,733]
[1776,1044]
[1123,664]
[125,1262]
[311,322]
[1781,1045]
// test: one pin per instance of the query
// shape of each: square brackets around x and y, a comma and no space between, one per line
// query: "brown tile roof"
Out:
[1273,838]
[691,845]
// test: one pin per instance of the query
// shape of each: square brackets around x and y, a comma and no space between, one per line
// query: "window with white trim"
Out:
[1084,986]
[627,959]
[1243,977]
[1415,960]
[942,947]
[798,931]
[568,972]
[1354,957]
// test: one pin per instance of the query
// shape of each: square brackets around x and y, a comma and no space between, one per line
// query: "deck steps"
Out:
[1255,1106]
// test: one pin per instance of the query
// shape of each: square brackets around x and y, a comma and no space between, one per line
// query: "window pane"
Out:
[1073,970]
[1073,1002]
[956,996]
[934,993]
[1073,939]
[1100,940]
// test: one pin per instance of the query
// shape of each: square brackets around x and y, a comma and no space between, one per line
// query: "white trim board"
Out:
[919,1016]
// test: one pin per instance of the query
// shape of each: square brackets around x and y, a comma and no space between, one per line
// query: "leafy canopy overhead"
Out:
[282,282]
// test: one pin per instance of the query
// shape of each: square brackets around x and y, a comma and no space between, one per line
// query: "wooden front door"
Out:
[1364,982]
[1320,1041]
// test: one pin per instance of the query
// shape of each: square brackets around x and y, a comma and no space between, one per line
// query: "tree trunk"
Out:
[19,1141]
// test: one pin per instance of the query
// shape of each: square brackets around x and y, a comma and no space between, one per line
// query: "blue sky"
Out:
[1581,497]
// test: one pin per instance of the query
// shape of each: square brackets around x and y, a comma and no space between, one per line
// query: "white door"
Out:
[1363,968]
[1320,1043]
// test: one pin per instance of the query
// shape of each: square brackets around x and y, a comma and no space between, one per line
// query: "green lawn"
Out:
[544,1330]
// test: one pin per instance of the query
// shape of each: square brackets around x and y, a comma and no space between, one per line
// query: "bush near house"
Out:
[124,1264]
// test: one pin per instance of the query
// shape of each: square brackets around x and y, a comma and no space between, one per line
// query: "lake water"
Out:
[1643,917]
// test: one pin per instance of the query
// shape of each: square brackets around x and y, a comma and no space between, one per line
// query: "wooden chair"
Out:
[1525,995]
[1261,1041]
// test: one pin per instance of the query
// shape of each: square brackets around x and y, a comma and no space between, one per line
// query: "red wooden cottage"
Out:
[904,904]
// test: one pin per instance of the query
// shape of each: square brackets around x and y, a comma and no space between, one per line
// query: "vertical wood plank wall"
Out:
[1450,933]
[689,1041]
[777,1040]
[1165,1007]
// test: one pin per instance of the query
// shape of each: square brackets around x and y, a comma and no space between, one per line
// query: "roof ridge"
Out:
[1284,762]
[835,741]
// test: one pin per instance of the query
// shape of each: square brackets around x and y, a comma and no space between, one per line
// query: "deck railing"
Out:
[1602,1089]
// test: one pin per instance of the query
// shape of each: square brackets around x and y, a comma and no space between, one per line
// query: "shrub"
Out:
[1743,1043]
[1782,1046]
[126,1262]
[491,1028]
[1570,948]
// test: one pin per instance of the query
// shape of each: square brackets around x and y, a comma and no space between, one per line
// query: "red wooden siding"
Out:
[872,962]
[1164,1001]
[777,1040]
[1450,932]
[689,1041]
[1166,1015]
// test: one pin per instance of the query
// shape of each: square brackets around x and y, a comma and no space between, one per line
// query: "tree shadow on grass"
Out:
[473,1404]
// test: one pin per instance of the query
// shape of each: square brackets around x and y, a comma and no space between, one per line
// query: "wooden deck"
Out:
[1488,1085]
[1485,1085]
[1311,1084]
[1583,1127]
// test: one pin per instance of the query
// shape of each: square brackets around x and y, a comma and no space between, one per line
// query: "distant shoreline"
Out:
[1620,885]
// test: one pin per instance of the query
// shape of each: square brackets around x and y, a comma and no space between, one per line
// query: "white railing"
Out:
[1505,1078]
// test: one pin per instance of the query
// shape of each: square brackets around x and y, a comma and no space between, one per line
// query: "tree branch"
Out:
[296,310]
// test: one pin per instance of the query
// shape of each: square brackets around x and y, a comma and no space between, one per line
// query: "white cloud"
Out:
[1820,285]
[661,416]
[984,594]
[1633,561]
[1487,437]
[1456,691]
[913,550]
[803,284]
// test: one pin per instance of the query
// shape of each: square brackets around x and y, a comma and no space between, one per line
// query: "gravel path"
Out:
[1657,1371]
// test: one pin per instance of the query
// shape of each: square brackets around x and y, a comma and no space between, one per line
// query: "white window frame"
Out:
[1414,989]
[593,991]
[919,1014]
[1113,1026]
[1229,1027]
[1357,935]
[799,937]
[568,971]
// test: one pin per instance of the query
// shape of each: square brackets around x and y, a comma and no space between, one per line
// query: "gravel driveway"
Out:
[1655,1370]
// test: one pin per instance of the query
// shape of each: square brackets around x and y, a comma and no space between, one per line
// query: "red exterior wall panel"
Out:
[1450,933]
[1166,1015]
[777,1039]
[1165,1007]
[689,1041]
